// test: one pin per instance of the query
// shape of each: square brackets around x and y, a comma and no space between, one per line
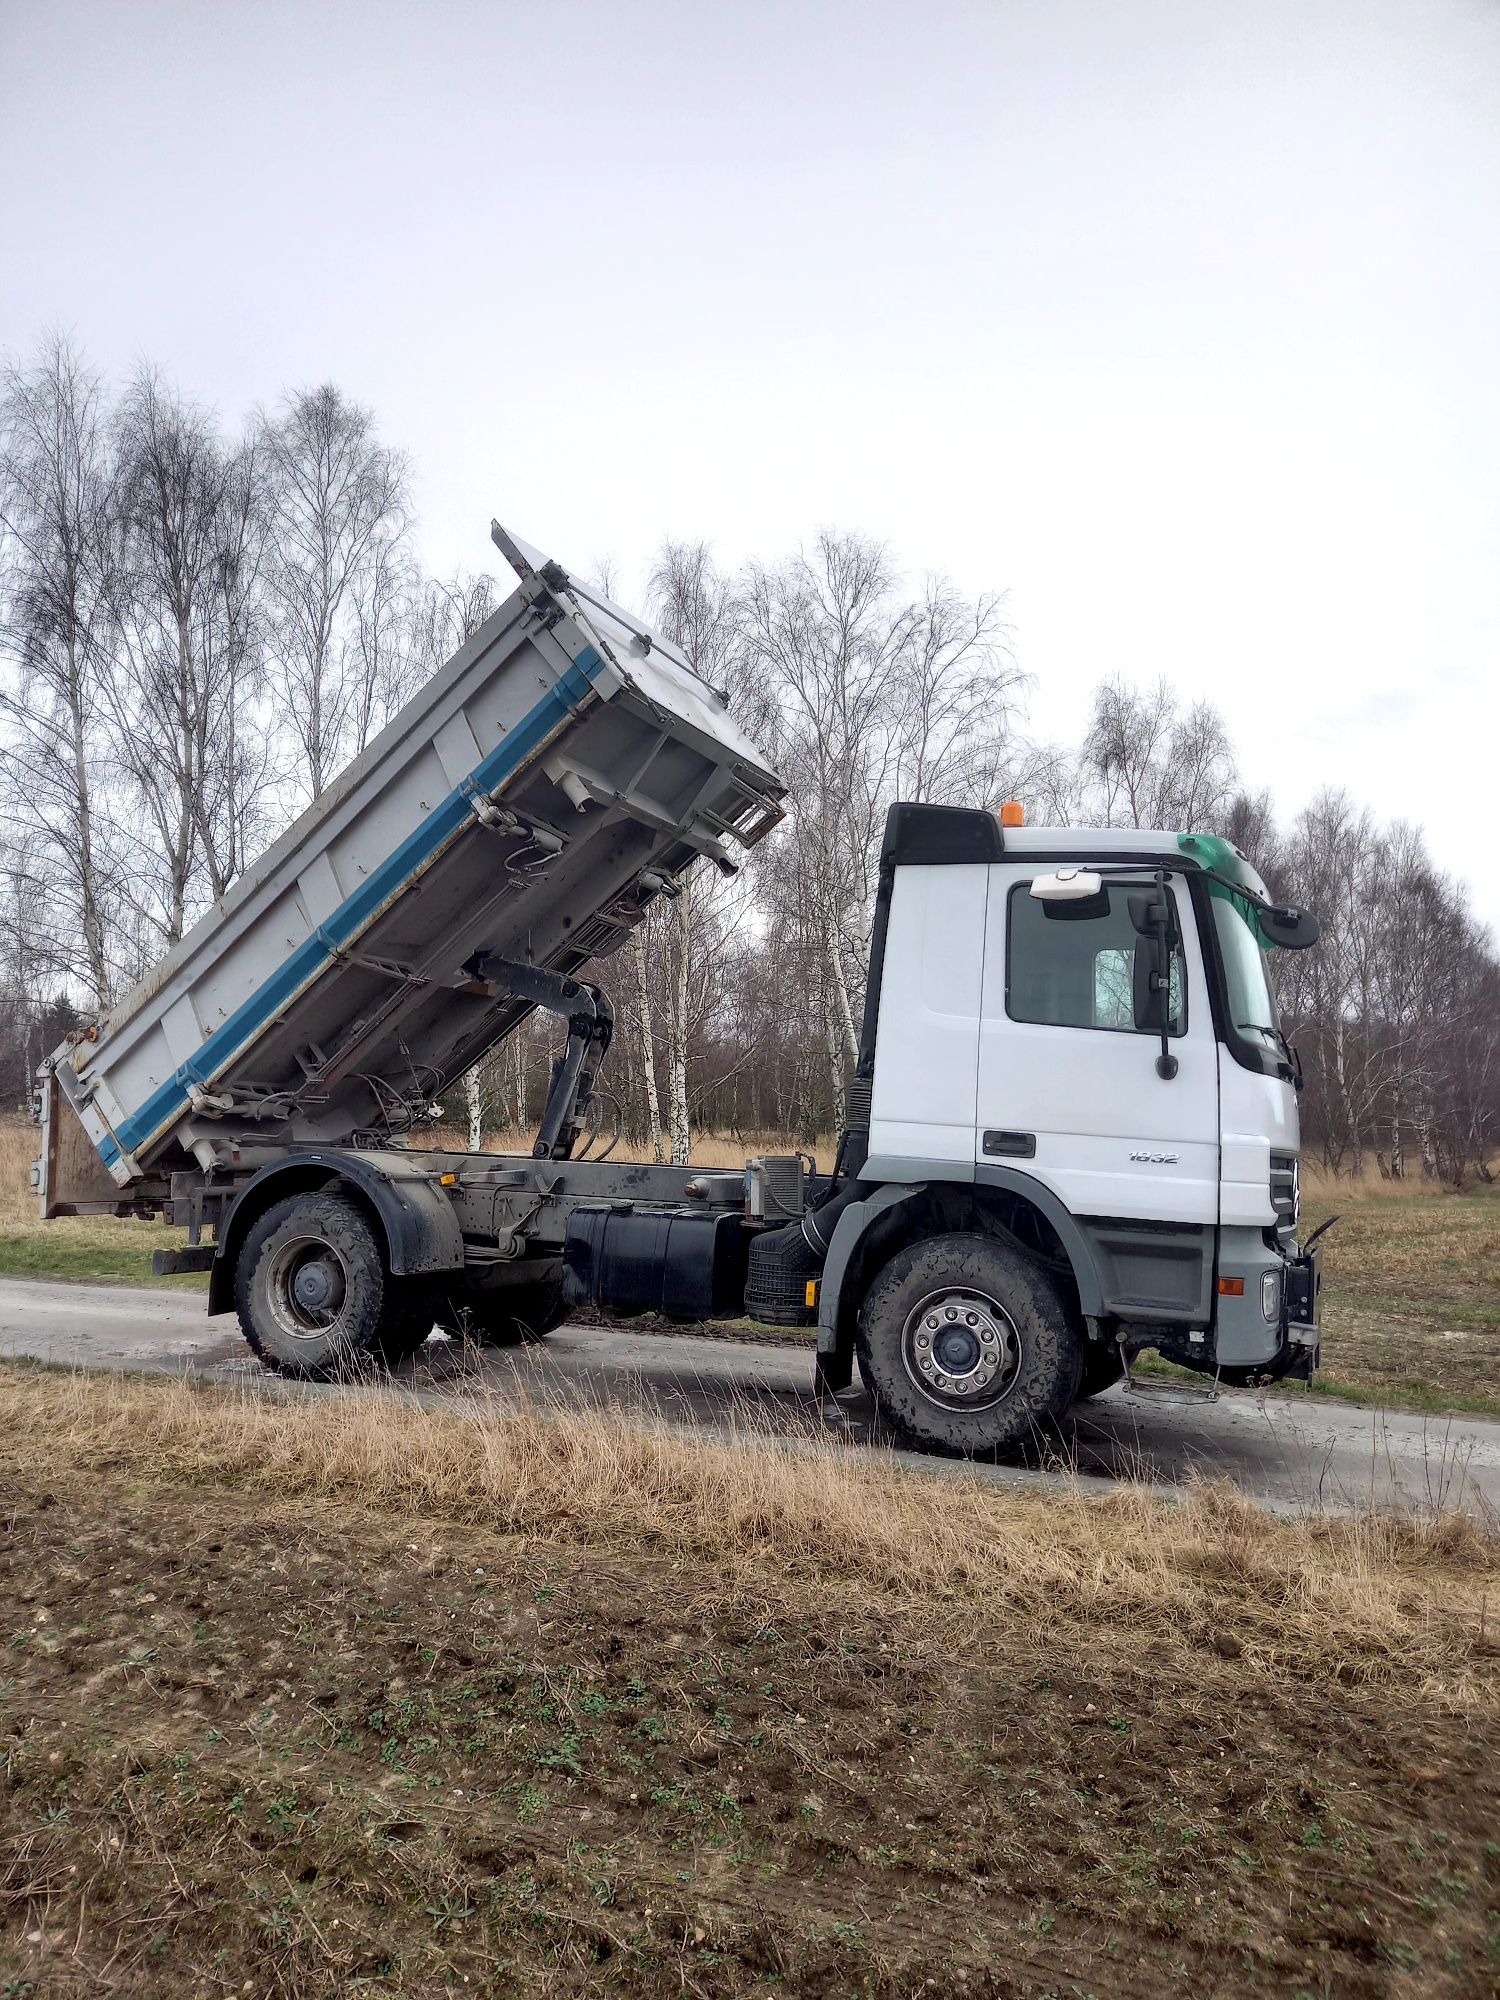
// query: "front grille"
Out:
[857,1104]
[1284,1194]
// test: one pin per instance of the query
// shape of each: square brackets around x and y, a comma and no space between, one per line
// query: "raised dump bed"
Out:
[522,811]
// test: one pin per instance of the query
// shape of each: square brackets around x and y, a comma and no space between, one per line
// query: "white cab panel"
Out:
[927,1049]
[1260,1118]
[1112,1137]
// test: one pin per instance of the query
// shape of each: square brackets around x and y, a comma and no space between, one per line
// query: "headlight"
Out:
[1270,1295]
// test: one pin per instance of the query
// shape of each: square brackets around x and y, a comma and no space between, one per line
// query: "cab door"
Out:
[1068,1085]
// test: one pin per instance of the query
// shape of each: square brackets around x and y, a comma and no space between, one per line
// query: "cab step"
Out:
[1149,1391]
[1169,1392]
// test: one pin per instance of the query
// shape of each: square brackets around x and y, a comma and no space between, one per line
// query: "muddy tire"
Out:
[411,1316]
[520,1315]
[314,1298]
[1102,1368]
[967,1347]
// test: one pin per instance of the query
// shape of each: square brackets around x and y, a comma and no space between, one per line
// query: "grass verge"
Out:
[92,1250]
[352,1697]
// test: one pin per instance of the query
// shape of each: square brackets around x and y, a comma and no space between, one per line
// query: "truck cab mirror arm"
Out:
[1151,915]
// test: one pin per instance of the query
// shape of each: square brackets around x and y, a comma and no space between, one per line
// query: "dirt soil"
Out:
[251,1747]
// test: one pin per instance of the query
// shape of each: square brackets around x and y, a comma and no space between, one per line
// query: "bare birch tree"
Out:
[874,695]
[1147,761]
[233,805]
[179,520]
[442,613]
[55,615]
[337,504]
[697,607]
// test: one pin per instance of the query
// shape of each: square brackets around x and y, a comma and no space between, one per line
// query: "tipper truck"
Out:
[1072,1127]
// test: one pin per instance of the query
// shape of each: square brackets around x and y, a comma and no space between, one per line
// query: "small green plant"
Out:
[564,1758]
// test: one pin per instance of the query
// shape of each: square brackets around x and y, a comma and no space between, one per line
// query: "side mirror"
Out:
[1151,916]
[1150,991]
[1293,930]
[1067,885]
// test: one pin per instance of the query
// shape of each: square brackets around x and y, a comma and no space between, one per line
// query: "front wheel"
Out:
[966,1346]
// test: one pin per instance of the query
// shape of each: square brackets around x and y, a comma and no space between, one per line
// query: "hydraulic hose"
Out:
[818,1224]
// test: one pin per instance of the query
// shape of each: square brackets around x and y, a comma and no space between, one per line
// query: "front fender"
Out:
[835,1363]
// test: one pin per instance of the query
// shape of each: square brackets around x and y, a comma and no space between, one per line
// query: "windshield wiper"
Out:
[1289,1054]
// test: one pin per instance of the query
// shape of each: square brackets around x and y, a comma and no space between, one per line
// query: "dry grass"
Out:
[1376,1600]
[1372,1184]
[1411,1296]
[99,1247]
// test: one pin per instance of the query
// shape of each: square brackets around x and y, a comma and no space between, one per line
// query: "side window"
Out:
[1114,1001]
[1073,965]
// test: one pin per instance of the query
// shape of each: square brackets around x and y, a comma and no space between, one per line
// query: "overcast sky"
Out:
[1180,322]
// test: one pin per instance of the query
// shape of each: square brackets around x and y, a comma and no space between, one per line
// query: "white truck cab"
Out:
[1080,1095]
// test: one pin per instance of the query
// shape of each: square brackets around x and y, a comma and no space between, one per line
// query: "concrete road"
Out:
[1287,1454]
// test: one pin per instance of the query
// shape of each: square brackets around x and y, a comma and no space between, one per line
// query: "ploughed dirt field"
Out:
[336,1701]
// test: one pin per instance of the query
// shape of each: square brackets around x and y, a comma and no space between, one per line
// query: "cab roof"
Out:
[918,834]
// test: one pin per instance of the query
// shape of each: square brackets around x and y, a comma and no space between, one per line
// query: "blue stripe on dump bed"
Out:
[356,911]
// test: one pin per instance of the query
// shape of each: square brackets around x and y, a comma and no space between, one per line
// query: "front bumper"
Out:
[1266,1325]
[1300,1288]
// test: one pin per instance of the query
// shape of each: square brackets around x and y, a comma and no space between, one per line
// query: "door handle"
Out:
[1011,1145]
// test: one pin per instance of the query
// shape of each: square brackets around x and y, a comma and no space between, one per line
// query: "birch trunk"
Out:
[93,922]
[518,1052]
[646,1046]
[837,1070]
[677,1028]
[843,1043]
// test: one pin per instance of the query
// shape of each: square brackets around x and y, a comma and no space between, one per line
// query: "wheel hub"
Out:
[307,1284]
[318,1286]
[960,1348]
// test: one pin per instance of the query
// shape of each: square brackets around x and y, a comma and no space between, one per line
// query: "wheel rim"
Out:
[960,1348]
[306,1286]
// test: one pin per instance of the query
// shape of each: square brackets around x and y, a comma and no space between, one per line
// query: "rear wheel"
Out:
[514,1315]
[410,1318]
[312,1291]
[966,1346]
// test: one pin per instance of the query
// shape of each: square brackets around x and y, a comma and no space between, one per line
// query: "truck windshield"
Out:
[1251,1007]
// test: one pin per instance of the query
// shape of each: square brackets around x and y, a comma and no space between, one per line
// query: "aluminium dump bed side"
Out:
[528,803]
